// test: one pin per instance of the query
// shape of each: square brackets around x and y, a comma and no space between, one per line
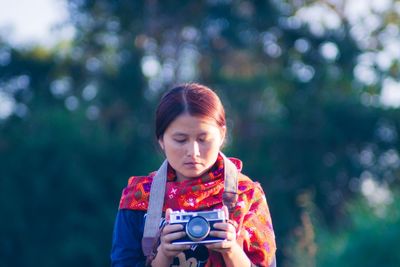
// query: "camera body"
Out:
[197,225]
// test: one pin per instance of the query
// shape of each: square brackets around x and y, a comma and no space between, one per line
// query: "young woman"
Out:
[190,129]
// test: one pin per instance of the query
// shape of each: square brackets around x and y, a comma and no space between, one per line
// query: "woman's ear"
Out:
[161,143]
[223,133]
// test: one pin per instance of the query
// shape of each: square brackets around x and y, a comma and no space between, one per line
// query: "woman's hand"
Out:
[230,250]
[170,232]
[226,231]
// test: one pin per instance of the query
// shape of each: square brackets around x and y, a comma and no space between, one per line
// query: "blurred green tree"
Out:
[367,235]
[302,99]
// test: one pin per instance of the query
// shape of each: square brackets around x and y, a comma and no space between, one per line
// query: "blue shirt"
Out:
[127,237]
[127,243]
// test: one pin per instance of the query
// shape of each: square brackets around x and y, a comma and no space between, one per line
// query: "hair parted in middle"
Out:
[191,98]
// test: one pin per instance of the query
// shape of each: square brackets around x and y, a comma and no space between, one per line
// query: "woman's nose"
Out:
[193,149]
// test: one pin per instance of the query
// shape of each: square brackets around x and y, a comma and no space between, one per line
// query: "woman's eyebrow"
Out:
[179,134]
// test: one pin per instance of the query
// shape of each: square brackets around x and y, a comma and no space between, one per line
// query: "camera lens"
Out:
[197,228]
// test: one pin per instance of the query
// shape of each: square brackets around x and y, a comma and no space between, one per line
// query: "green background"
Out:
[303,108]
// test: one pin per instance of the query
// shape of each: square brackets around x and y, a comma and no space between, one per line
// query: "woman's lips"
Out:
[192,164]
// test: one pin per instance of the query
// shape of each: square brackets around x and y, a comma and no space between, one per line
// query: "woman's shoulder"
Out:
[245,183]
[249,189]
[136,194]
[135,180]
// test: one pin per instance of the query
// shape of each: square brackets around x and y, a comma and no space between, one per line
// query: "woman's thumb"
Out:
[167,214]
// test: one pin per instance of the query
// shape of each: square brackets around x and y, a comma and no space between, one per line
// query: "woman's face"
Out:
[191,145]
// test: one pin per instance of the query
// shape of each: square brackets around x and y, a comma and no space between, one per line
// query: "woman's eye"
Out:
[203,139]
[180,140]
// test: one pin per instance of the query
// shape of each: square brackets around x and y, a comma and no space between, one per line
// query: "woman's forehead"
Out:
[187,122]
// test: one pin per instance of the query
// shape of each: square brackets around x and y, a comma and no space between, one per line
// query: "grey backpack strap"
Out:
[229,196]
[154,211]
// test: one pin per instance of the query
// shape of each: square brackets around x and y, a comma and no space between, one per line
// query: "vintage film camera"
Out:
[197,225]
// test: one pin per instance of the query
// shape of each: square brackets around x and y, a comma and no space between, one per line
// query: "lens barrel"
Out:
[197,228]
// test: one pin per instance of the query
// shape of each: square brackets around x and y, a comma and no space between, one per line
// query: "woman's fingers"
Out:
[226,236]
[170,233]
[225,226]
[224,230]
[170,228]
[169,238]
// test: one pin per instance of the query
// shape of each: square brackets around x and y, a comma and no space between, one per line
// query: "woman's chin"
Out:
[192,174]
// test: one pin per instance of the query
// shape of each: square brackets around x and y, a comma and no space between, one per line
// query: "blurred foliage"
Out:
[367,236]
[302,99]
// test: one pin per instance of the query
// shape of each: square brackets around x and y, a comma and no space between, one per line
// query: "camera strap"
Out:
[157,194]
[154,211]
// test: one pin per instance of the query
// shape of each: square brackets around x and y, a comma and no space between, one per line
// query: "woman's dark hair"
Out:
[193,99]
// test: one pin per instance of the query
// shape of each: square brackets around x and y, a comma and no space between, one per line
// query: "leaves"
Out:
[302,102]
